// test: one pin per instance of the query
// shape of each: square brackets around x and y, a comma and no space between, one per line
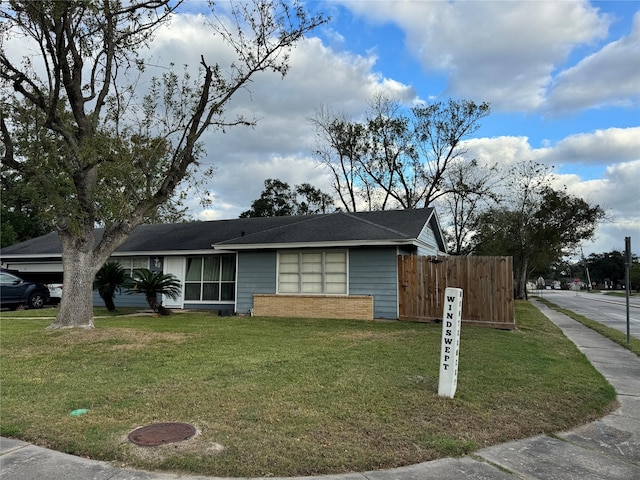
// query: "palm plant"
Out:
[109,280]
[153,284]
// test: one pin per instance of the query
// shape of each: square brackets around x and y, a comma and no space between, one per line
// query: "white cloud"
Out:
[501,52]
[602,147]
[618,192]
[610,76]
[606,146]
[504,150]
[237,186]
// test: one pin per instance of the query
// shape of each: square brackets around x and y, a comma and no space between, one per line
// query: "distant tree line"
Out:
[603,270]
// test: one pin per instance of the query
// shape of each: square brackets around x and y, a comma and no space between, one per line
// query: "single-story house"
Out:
[340,265]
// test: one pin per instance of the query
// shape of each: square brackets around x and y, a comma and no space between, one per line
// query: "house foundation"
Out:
[357,307]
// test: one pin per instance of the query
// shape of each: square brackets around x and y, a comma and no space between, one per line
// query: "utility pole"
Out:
[627,267]
[584,262]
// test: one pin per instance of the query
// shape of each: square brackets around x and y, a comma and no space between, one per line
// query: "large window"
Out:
[210,278]
[129,264]
[312,272]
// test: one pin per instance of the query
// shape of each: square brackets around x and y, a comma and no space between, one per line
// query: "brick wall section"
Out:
[357,307]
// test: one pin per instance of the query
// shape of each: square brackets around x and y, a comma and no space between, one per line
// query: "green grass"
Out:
[621,294]
[613,293]
[288,397]
[51,312]
[611,333]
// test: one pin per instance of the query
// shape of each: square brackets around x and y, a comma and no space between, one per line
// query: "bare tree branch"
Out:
[113,155]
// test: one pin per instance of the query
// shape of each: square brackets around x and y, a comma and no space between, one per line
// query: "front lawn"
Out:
[285,397]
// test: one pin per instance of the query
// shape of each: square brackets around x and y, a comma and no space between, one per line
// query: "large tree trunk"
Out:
[79,264]
[521,279]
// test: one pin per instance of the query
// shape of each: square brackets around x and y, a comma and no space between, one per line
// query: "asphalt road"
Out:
[608,310]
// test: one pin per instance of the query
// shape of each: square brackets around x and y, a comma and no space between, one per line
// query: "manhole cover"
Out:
[161,433]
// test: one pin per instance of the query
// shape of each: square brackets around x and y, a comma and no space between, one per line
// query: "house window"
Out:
[211,278]
[313,272]
[129,264]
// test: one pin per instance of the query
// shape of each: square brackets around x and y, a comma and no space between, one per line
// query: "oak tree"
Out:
[101,152]
[537,226]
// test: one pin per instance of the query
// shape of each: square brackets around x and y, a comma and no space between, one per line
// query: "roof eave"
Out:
[161,253]
[336,244]
[136,253]
[14,256]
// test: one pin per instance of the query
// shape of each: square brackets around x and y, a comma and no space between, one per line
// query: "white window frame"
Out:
[290,276]
[203,281]
[130,264]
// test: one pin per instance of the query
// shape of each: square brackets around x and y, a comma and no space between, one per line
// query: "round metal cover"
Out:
[161,433]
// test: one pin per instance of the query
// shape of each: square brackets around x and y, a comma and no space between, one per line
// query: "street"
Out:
[608,310]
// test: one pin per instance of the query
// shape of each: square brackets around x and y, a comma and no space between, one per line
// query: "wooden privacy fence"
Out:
[487,283]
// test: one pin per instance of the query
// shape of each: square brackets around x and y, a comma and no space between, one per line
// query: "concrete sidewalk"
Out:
[607,449]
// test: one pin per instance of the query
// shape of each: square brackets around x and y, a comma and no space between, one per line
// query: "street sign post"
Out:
[627,267]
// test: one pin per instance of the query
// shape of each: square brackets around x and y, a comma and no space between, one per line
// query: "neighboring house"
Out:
[340,265]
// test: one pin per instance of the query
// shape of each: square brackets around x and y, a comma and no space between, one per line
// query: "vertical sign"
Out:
[450,349]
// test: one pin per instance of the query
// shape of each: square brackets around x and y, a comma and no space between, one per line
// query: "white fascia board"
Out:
[299,245]
[34,267]
[158,253]
[21,256]
[437,233]
[427,227]
[441,232]
[161,253]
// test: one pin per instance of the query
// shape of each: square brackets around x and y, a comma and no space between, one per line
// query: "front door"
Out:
[174,266]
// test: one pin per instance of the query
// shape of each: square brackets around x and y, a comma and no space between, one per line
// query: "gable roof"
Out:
[360,228]
[389,227]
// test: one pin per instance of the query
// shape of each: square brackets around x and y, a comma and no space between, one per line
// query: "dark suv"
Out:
[15,292]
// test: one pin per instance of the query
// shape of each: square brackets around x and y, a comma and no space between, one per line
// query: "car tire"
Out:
[36,300]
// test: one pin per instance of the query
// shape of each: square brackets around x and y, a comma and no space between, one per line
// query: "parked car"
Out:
[55,293]
[15,291]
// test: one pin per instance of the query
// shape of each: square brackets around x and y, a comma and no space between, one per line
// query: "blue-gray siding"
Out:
[373,271]
[256,274]
[123,300]
[427,236]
